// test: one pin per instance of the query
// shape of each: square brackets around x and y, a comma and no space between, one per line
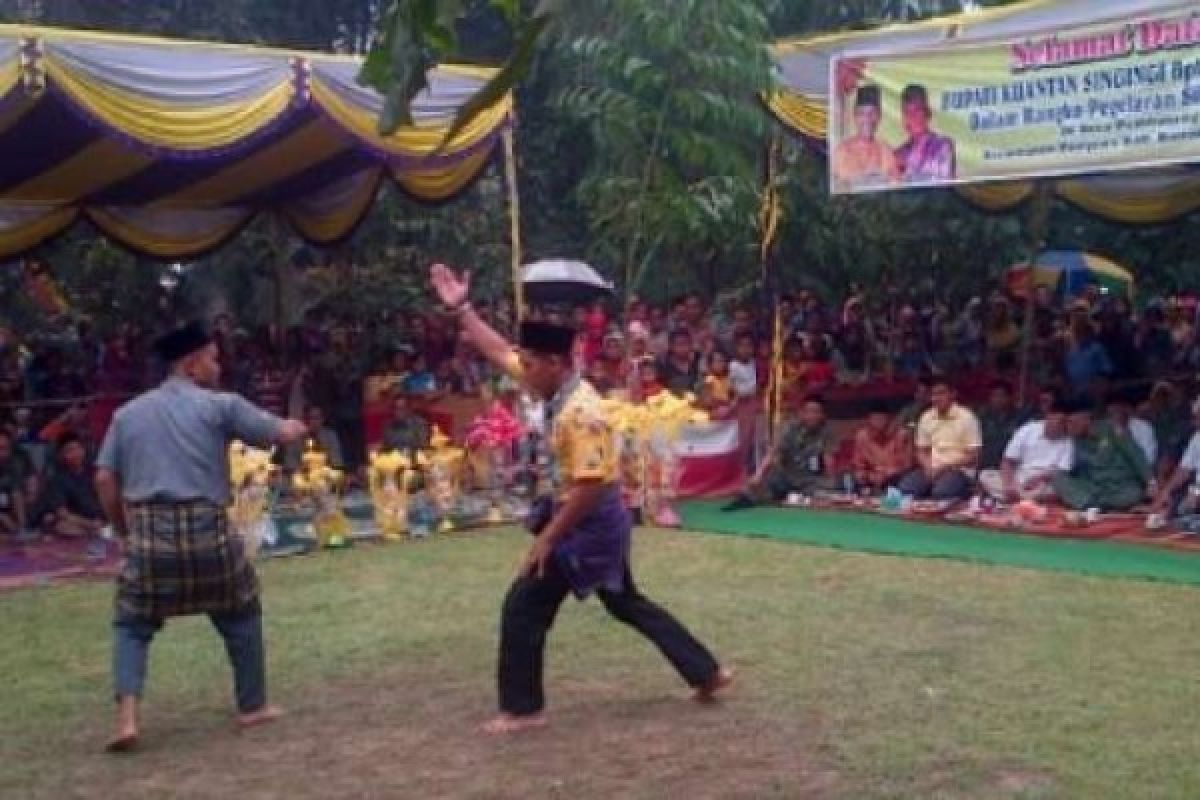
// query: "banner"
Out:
[1086,100]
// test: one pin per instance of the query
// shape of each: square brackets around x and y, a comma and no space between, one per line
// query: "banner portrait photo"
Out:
[1086,100]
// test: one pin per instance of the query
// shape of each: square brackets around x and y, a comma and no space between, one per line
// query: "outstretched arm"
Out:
[453,290]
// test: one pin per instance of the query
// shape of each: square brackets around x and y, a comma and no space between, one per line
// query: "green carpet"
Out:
[876,534]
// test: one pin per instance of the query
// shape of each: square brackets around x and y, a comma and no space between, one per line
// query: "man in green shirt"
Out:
[800,462]
[1109,469]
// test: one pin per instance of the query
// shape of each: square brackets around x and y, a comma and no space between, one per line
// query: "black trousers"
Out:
[529,611]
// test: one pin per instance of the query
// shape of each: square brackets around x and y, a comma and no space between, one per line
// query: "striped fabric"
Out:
[183,558]
[172,147]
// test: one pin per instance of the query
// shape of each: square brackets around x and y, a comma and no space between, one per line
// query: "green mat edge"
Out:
[858,532]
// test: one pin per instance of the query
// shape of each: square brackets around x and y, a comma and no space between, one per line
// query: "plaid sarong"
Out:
[182,558]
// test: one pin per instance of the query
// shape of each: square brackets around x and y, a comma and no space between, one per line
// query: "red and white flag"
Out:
[710,462]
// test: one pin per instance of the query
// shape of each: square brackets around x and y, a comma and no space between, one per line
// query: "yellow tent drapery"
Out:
[171,147]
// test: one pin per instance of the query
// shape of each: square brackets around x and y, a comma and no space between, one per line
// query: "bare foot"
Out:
[506,724]
[123,742]
[264,716]
[719,682]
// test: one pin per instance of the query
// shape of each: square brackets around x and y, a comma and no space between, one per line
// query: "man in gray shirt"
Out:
[163,480]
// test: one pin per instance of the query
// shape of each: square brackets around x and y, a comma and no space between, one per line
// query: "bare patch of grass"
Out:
[859,677]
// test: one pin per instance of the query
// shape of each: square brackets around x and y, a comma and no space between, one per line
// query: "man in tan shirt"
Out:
[948,444]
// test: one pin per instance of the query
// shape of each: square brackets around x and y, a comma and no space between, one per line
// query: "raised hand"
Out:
[452,289]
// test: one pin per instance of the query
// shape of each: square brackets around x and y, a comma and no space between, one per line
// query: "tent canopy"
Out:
[1140,197]
[171,147]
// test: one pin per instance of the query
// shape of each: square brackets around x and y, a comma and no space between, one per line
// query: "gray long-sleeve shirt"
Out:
[172,444]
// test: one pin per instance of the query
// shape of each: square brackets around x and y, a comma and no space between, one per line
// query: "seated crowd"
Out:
[385,382]
[1063,450]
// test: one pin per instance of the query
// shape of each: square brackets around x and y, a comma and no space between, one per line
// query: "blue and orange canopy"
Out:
[1070,272]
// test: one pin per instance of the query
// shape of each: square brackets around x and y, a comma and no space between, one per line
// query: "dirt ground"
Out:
[414,739]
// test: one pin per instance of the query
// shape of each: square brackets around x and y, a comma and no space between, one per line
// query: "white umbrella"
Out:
[562,281]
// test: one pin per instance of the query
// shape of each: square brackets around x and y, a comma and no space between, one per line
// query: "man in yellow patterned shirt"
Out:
[581,531]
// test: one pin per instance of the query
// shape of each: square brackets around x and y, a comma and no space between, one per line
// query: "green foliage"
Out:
[98,280]
[793,17]
[640,139]
[929,242]
[401,56]
[344,25]
[414,34]
[668,92]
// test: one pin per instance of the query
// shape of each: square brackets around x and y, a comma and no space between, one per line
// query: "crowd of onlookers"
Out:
[363,384]
[1138,447]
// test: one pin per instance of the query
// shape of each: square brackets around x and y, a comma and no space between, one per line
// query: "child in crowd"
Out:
[612,364]
[649,380]
[743,379]
[717,395]
[743,369]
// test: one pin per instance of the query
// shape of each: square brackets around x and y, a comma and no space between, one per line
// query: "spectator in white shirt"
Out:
[1035,453]
[743,376]
[743,379]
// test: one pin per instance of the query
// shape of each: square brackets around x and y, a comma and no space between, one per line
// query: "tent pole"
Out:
[514,214]
[1039,218]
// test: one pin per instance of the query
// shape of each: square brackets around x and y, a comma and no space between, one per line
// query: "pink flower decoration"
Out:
[495,428]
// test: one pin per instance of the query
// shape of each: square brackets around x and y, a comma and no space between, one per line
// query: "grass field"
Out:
[859,677]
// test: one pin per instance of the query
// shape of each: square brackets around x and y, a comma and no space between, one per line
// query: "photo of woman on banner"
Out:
[863,160]
[926,157]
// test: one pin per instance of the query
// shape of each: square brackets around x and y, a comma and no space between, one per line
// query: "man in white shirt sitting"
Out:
[1035,453]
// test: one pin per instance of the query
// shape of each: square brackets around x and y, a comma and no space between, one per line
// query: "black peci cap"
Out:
[182,342]
[547,339]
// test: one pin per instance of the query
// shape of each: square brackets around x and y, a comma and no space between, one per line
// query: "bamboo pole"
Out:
[769,219]
[514,215]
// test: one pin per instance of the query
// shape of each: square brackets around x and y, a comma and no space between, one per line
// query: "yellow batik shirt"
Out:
[582,443]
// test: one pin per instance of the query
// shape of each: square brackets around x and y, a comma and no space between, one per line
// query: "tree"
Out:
[668,92]
[790,17]
[342,25]
[413,35]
